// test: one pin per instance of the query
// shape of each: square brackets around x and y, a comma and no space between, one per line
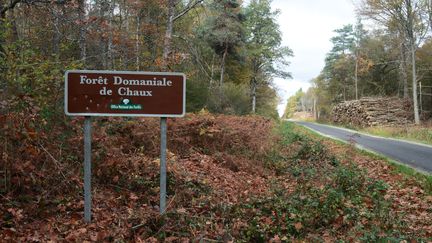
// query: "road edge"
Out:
[382,156]
[370,135]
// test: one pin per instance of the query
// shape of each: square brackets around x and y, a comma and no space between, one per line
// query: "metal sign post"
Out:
[87,169]
[163,169]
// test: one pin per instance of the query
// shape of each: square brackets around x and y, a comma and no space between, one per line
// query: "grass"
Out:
[423,178]
[422,134]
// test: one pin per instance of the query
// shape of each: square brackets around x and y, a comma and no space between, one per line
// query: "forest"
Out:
[385,54]
[235,171]
[229,51]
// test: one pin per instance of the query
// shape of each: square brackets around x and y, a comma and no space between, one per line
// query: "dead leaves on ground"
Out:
[213,161]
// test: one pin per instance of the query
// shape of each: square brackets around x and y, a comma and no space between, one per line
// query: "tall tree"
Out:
[293,104]
[131,34]
[171,17]
[82,19]
[339,61]
[267,57]
[344,41]
[223,30]
[409,18]
[359,36]
[168,32]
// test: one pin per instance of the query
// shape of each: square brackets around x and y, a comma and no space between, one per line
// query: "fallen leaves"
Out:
[215,165]
[133,197]
[408,197]
[298,226]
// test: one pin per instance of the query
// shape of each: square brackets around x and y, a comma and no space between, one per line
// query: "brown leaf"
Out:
[298,226]
[94,237]
[101,235]
[181,210]
[133,197]
[171,239]
[151,240]
[82,230]
[275,239]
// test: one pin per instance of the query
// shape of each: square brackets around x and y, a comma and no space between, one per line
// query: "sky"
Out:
[307,26]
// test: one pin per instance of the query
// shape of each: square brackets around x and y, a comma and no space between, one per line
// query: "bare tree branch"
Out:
[13,3]
[191,5]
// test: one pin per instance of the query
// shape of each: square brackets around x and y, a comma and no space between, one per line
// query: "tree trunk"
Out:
[14,27]
[430,13]
[403,70]
[254,88]
[4,83]
[212,72]
[110,59]
[56,31]
[344,89]
[414,83]
[356,77]
[2,39]
[168,34]
[4,7]
[82,30]
[103,7]
[137,43]
[221,81]
[302,101]
[409,29]
[123,25]
[315,113]
[3,80]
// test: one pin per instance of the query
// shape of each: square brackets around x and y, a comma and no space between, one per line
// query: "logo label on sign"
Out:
[126,106]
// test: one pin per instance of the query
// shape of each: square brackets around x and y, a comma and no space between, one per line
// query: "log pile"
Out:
[373,112]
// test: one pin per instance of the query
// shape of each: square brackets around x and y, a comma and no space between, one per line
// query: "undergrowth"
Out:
[422,134]
[229,179]
[330,198]
[415,133]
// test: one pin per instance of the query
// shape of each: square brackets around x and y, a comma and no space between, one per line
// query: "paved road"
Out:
[415,155]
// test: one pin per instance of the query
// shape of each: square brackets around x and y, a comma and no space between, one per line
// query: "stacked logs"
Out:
[373,112]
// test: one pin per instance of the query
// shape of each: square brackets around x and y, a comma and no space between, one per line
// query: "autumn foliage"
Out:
[229,179]
[42,170]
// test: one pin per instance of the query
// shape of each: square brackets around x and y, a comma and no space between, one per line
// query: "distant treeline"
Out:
[392,57]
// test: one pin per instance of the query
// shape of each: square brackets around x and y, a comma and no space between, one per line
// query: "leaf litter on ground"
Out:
[229,179]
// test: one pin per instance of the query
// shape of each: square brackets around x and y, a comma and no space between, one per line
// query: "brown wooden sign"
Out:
[120,93]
